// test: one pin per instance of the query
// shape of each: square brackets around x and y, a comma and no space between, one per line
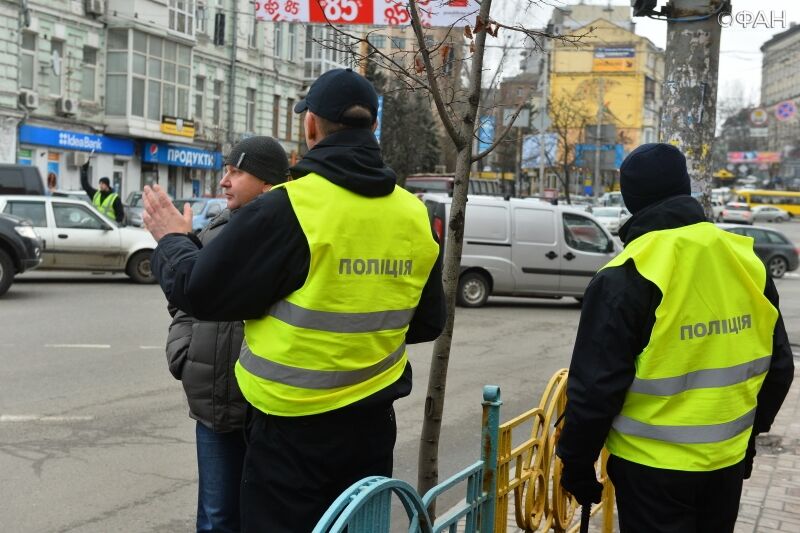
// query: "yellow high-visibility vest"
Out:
[341,336]
[692,403]
[106,207]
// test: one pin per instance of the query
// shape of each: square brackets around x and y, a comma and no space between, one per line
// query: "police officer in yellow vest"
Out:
[104,199]
[334,274]
[681,358]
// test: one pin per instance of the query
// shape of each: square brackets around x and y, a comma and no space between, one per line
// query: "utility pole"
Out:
[688,118]
[543,115]
[596,181]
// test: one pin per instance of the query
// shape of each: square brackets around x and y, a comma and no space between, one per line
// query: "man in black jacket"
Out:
[104,199]
[297,465]
[664,397]
[203,353]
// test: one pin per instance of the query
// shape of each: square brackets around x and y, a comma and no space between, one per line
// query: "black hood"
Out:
[351,159]
[674,212]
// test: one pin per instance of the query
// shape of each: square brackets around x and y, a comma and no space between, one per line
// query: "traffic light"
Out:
[642,8]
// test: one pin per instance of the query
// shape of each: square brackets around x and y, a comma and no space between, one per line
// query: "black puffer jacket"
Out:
[203,354]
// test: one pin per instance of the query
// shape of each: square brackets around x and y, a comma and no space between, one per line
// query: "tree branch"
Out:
[504,134]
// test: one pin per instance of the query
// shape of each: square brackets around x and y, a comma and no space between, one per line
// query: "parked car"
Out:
[20,249]
[737,212]
[420,184]
[611,217]
[767,213]
[134,207]
[76,236]
[779,254]
[523,247]
[20,179]
[203,209]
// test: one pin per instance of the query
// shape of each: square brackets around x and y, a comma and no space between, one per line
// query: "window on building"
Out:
[252,41]
[201,18]
[429,42]
[199,96]
[250,111]
[399,43]
[117,73]
[289,118]
[378,41]
[292,42]
[181,16]
[276,113]
[88,73]
[27,75]
[649,89]
[57,67]
[216,98]
[279,39]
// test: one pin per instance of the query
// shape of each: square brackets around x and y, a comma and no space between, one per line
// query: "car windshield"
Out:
[194,203]
[606,212]
[737,207]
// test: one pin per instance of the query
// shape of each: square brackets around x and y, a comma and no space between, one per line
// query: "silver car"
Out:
[611,217]
[767,213]
[77,237]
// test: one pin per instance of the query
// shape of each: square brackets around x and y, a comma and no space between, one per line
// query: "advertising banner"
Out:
[180,156]
[531,150]
[614,59]
[73,140]
[754,157]
[434,13]
[485,133]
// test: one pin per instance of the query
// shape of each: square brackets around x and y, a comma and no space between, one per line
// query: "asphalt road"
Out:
[94,432]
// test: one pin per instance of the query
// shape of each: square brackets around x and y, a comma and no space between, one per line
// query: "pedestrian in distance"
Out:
[334,274]
[680,360]
[104,198]
[203,354]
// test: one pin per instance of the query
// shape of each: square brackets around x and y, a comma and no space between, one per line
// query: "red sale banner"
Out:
[372,12]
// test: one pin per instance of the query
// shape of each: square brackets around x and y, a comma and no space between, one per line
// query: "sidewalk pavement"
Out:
[771,497]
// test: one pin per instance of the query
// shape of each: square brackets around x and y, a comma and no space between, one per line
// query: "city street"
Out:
[94,431]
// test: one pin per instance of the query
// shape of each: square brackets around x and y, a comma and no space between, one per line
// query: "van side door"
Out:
[487,243]
[535,253]
[585,248]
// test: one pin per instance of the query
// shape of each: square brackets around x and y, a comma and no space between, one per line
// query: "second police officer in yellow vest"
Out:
[104,198]
[681,359]
[333,273]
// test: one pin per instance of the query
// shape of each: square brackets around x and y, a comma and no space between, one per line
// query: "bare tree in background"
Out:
[568,119]
[429,71]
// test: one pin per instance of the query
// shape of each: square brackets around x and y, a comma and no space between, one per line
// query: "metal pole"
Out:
[234,51]
[597,138]
[542,115]
[688,118]
[490,430]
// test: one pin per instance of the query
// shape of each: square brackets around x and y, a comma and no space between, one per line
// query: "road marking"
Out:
[43,418]
[95,346]
[151,347]
[791,275]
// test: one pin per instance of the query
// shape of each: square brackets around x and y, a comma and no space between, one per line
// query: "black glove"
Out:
[749,455]
[580,480]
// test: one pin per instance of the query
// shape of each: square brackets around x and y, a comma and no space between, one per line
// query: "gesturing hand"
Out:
[161,217]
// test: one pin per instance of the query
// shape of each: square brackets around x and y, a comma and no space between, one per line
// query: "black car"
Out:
[772,246]
[20,249]
[20,179]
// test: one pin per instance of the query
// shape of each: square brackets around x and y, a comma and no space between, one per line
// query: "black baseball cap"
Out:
[337,91]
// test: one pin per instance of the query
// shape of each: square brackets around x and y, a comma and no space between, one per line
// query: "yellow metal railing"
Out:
[531,471]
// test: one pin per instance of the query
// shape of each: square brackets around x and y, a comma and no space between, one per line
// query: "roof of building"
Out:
[793,29]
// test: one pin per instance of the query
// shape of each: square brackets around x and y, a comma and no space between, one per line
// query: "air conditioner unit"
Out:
[29,99]
[77,159]
[95,7]
[66,106]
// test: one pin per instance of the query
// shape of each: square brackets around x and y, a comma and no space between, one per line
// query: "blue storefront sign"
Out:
[180,156]
[73,140]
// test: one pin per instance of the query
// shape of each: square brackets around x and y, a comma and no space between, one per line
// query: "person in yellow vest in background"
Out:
[104,199]
[681,359]
[334,273]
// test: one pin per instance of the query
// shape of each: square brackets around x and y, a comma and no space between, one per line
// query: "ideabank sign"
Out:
[180,156]
[73,140]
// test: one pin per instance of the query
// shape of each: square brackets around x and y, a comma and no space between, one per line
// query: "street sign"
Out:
[785,110]
[759,116]
[759,132]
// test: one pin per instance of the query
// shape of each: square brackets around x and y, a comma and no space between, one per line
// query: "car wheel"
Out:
[778,266]
[139,268]
[6,272]
[473,290]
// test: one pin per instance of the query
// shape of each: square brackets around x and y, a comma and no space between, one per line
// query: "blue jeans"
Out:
[220,457]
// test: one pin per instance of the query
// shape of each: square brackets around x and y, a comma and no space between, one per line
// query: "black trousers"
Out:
[295,468]
[652,500]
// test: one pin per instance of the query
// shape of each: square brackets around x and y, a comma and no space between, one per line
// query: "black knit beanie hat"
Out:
[651,173]
[263,157]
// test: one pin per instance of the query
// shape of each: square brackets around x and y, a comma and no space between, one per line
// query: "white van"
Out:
[524,247]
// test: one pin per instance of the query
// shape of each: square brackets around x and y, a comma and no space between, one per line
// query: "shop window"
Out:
[27,75]
[181,16]
[217,102]
[250,111]
[88,73]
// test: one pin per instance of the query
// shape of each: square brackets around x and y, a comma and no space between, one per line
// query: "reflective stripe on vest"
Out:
[106,207]
[314,379]
[301,317]
[341,336]
[692,402]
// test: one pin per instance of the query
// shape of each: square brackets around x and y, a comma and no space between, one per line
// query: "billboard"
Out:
[531,150]
[754,157]
[485,133]
[618,59]
[373,12]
